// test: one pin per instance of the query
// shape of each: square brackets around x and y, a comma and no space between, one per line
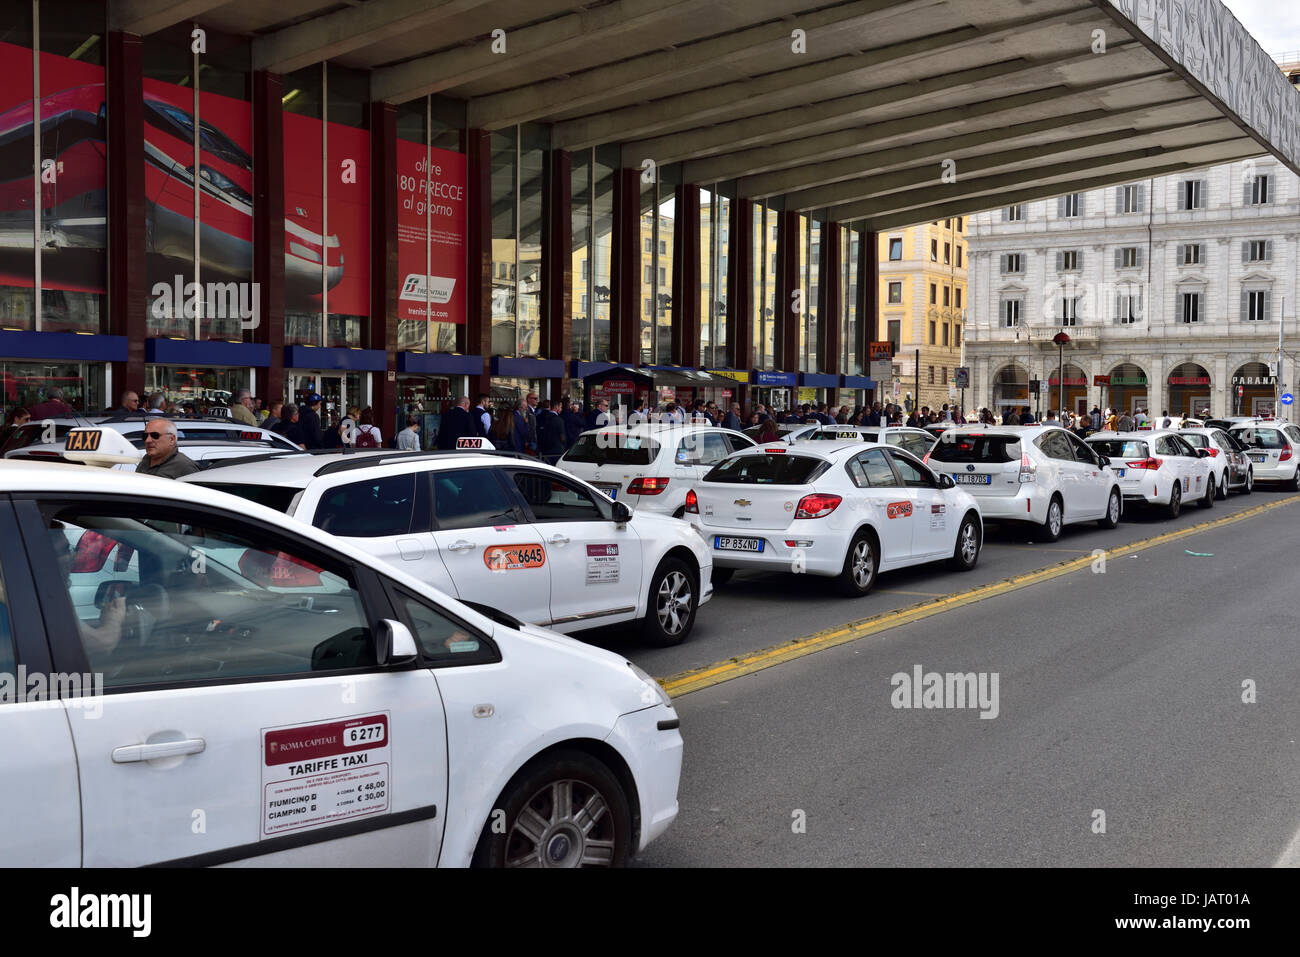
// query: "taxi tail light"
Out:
[1145,464]
[817,505]
[1214,453]
[926,458]
[692,503]
[1286,454]
[1028,470]
[647,486]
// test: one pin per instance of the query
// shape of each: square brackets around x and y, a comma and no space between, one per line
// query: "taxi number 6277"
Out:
[365,734]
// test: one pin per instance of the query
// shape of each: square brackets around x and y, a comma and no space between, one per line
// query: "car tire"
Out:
[1294,484]
[1051,528]
[553,835]
[721,575]
[1114,509]
[861,563]
[1250,482]
[1223,486]
[1175,505]
[1211,493]
[966,553]
[671,604]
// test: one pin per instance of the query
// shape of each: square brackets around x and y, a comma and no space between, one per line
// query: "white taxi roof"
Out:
[298,469]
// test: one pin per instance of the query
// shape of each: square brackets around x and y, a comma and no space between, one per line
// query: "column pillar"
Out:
[557,265]
[740,284]
[126,209]
[785,341]
[625,269]
[685,330]
[478,241]
[268,229]
[383,254]
[829,306]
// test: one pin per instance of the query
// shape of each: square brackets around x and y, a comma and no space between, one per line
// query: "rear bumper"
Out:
[1029,504]
[825,556]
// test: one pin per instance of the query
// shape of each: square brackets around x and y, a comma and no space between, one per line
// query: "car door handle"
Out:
[461,546]
[152,752]
[558,540]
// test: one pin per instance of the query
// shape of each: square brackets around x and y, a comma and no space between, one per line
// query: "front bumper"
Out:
[654,757]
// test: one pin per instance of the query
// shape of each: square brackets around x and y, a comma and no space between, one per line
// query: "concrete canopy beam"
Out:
[594,87]
[341,32]
[524,46]
[142,17]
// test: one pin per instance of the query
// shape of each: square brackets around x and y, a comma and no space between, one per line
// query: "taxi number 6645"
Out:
[363,734]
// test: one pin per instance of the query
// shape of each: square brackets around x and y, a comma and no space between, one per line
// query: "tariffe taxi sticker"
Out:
[509,558]
[325,773]
[602,564]
[938,516]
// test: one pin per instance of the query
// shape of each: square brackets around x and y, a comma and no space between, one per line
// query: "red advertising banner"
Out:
[438,293]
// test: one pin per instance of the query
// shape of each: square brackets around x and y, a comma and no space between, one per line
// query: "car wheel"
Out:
[670,609]
[1176,500]
[1294,484]
[722,575]
[1211,492]
[1223,485]
[860,564]
[1114,508]
[1250,482]
[566,810]
[1051,529]
[967,551]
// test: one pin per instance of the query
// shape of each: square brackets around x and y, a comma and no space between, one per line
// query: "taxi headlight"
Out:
[653,693]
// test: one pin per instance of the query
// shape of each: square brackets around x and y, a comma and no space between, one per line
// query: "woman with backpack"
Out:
[368,435]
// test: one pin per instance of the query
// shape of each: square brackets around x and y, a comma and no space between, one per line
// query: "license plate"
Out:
[1119,472]
[723,543]
[1259,458]
[610,490]
[964,479]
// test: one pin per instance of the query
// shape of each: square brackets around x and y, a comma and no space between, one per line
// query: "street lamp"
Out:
[1061,338]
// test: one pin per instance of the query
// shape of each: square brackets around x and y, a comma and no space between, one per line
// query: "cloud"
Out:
[1275,26]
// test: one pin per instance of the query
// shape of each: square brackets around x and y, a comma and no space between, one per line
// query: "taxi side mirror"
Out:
[1105,462]
[946,481]
[622,514]
[394,644]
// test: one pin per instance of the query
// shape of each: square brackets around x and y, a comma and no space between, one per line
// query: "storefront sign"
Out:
[807,395]
[880,351]
[618,387]
[776,378]
[1128,380]
[1069,380]
[1254,380]
[741,377]
[1189,380]
[1098,380]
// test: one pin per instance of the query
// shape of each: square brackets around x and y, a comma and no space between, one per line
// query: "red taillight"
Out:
[647,486]
[1286,454]
[1144,464]
[1214,453]
[817,506]
[775,451]
[692,503]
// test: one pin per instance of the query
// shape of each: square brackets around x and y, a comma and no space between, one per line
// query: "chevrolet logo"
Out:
[742,502]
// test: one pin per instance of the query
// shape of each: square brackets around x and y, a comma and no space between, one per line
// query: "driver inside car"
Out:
[101,636]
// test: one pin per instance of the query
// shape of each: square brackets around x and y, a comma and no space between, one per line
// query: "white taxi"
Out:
[1158,468]
[1043,475]
[846,510]
[1229,463]
[244,689]
[916,441]
[1273,449]
[650,467]
[498,530]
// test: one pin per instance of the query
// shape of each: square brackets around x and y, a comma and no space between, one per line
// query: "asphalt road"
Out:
[1118,692]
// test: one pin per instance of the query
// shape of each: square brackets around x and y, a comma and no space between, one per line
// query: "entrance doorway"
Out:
[338,391]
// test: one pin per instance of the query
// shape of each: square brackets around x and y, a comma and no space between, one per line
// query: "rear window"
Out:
[767,470]
[980,449]
[1260,438]
[277,497]
[1119,448]
[1196,440]
[613,448]
[373,508]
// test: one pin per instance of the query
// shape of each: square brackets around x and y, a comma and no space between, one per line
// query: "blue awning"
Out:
[775,378]
[62,345]
[858,382]
[819,380]
[208,352]
[528,368]
[438,363]
[346,360]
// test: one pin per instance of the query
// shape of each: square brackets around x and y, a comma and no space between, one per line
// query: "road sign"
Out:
[1287,398]
[1241,390]
[882,370]
[961,379]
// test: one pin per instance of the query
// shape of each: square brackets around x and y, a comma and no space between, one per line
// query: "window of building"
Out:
[947,295]
[895,292]
[895,249]
[649,307]
[1069,260]
[1257,251]
[895,328]
[943,375]
[934,250]
[958,295]
[1128,257]
[649,246]
[1259,190]
[1070,311]
[959,256]
[1071,205]
[649,274]
[1192,254]
[947,253]
[1128,307]
[1131,198]
[959,222]
[1256,305]
[663,247]
[1013,214]
[931,375]
[934,294]
[946,333]
[1189,307]
[947,224]
[1013,263]
[1011,312]
[1191,194]
[956,335]
[932,332]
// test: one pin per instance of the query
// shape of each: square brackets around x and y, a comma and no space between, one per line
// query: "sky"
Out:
[1274,23]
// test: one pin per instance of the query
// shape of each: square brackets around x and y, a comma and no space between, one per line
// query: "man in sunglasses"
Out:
[161,457]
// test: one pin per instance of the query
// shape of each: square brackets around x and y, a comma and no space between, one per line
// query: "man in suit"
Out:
[550,432]
[309,423]
[457,423]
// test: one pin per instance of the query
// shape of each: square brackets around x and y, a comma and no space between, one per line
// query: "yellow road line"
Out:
[899,591]
[698,679]
[1039,548]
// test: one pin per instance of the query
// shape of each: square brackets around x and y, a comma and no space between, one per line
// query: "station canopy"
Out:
[887,112]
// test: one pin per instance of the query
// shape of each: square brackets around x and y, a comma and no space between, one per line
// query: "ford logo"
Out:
[970,468]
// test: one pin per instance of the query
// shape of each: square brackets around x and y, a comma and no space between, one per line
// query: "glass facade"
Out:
[26,384]
[194,389]
[715,218]
[505,257]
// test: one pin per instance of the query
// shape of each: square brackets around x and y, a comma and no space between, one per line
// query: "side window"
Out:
[471,498]
[1081,450]
[204,597]
[738,442]
[1165,446]
[1055,445]
[7,658]
[857,473]
[442,639]
[552,499]
[912,473]
[370,509]
[702,448]
[1184,447]
[1292,432]
[876,469]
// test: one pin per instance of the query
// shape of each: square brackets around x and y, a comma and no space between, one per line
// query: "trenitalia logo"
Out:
[220,300]
[440,288]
